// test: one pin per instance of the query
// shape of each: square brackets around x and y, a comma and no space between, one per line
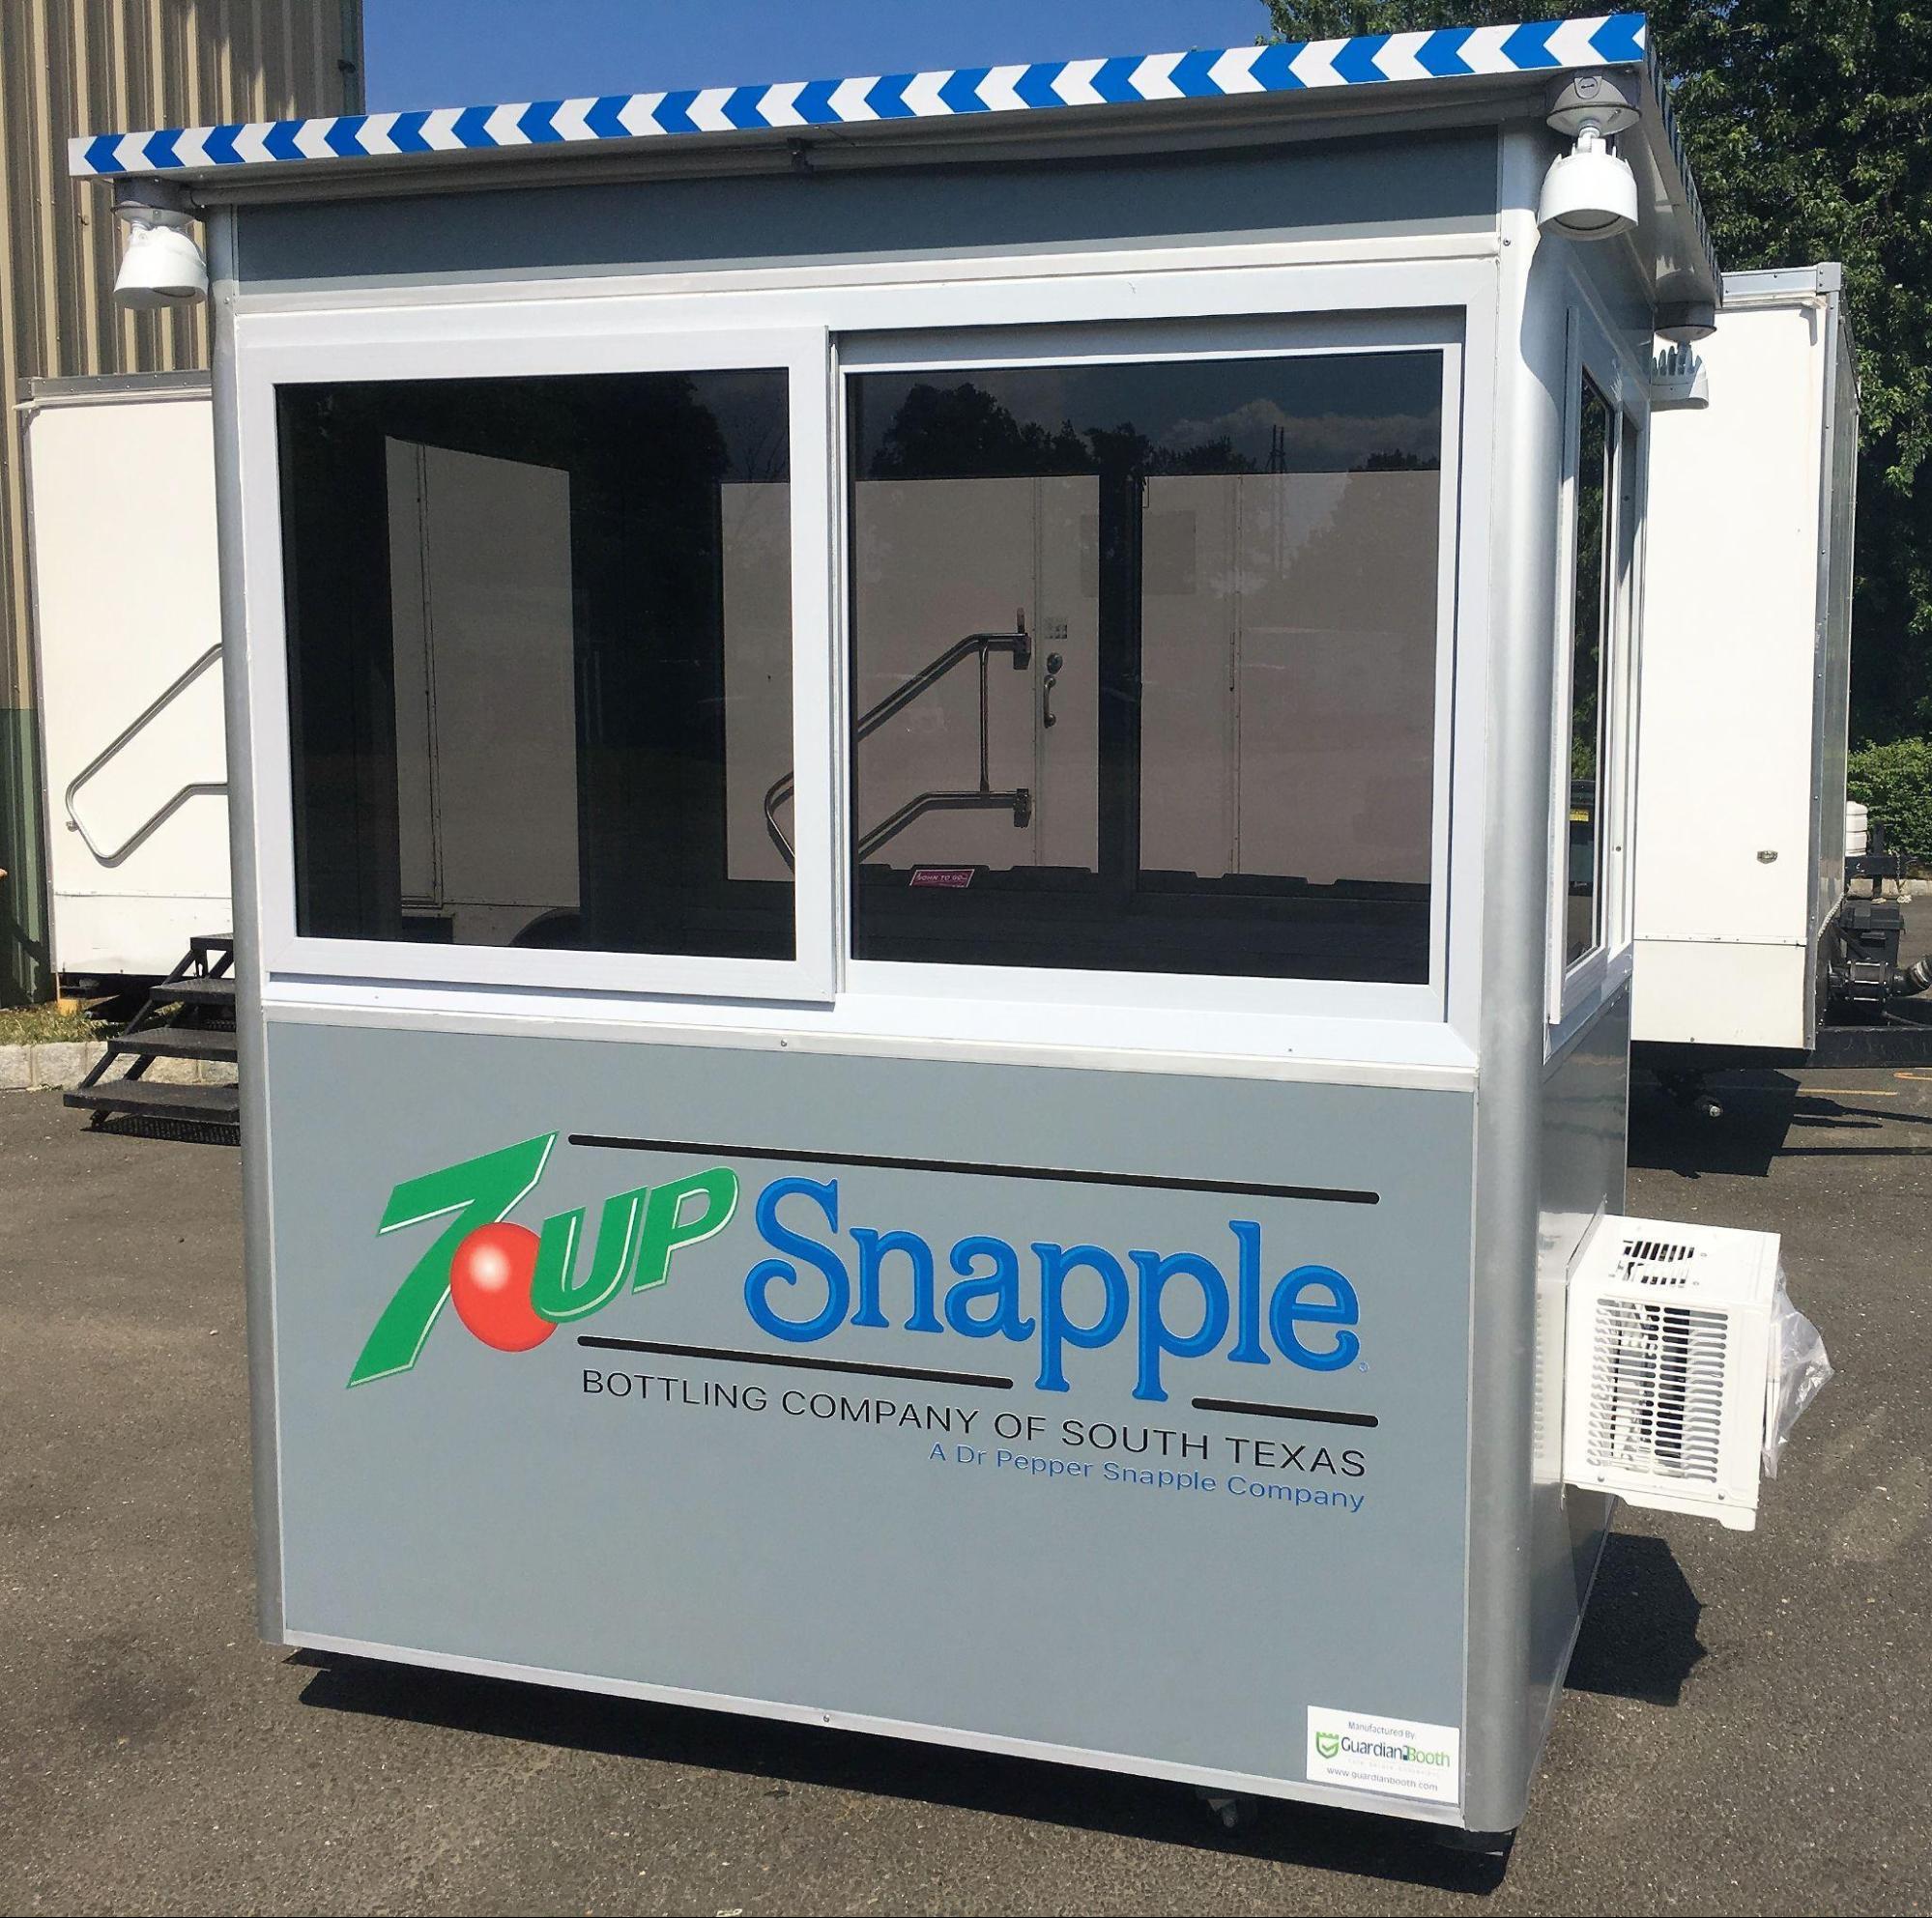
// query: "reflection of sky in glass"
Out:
[1332,412]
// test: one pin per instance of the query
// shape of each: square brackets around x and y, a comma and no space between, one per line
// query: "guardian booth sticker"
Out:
[1395,1755]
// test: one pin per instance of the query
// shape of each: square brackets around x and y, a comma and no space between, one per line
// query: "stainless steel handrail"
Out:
[174,804]
[983,646]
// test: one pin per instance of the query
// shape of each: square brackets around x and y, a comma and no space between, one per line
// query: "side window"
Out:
[1585,890]
[539,637]
[1144,664]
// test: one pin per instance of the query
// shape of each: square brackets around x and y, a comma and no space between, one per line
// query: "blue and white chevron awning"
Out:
[1449,53]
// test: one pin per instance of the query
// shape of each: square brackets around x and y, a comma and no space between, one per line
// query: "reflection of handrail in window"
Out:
[173,805]
[895,823]
[984,645]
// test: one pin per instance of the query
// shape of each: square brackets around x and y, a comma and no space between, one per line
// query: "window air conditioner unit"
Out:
[1686,1364]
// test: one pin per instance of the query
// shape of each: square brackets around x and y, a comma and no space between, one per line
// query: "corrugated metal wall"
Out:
[70,67]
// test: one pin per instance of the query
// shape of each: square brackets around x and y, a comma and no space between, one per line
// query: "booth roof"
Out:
[1451,54]
[1431,64]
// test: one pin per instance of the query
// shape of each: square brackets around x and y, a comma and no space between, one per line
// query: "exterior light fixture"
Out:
[1687,319]
[163,266]
[1590,192]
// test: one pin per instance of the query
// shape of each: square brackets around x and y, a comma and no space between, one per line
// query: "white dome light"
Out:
[1589,193]
[163,266]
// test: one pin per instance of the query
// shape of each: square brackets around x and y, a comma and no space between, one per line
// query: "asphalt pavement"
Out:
[1745,1728]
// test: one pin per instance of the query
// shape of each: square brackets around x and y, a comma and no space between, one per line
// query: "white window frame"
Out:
[506,342]
[1338,294]
[965,346]
[1577,989]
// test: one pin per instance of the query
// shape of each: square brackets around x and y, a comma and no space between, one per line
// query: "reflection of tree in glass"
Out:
[1592,454]
[1213,456]
[1120,448]
[964,432]
[1196,417]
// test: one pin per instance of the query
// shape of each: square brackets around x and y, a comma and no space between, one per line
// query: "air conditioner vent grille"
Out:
[1655,1261]
[1657,1400]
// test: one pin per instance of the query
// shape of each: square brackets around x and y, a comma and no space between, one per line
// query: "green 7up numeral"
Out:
[528,1281]
[480,1191]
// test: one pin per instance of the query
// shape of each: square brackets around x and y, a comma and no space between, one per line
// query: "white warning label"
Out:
[1390,1755]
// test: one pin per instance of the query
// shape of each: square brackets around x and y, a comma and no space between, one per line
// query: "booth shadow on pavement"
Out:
[1734,1736]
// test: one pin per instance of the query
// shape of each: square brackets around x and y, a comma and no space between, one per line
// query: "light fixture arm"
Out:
[1590,138]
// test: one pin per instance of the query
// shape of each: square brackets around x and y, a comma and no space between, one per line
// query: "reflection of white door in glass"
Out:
[934,562]
[755,533]
[1288,695]
[485,704]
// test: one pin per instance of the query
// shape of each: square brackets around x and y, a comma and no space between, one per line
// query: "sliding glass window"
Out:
[540,660]
[1144,665]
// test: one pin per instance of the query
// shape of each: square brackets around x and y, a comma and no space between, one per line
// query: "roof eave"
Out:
[1369,85]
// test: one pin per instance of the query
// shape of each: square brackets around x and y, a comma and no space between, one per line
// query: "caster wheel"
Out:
[1233,1811]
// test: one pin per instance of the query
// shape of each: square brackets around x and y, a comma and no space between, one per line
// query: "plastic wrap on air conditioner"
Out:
[1799,1372]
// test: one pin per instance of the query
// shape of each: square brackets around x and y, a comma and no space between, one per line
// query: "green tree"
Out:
[1809,129]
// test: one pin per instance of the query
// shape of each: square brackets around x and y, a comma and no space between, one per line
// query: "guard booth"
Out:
[927,1042]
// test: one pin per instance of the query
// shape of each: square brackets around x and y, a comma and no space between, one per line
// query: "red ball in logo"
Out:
[489,1285]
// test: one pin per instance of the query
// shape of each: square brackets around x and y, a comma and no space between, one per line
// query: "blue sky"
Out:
[464,52]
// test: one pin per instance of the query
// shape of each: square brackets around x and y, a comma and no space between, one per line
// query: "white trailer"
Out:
[1745,678]
[128,636]
[1750,948]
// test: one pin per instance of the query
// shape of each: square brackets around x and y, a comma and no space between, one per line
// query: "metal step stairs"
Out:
[188,1015]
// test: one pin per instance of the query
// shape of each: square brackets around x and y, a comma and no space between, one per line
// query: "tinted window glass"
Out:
[1144,665]
[1594,449]
[540,660]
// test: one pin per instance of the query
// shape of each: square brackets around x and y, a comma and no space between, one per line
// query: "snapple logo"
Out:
[513,1287]
[997,1291]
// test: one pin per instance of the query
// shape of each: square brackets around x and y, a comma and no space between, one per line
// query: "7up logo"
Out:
[513,1287]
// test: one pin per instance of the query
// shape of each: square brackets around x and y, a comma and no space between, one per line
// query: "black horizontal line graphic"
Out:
[1308,1414]
[1247,1188]
[988,1380]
